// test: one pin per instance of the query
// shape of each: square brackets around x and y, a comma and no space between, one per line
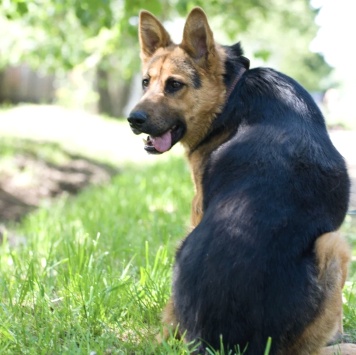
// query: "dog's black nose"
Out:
[137,118]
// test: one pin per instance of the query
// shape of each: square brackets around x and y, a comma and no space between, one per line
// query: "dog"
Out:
[264,259]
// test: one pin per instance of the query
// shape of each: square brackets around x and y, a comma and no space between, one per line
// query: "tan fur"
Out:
[200,108]
[197,163]
[333,255]
[152,36]
[203,105]
[169,321]
[161,59]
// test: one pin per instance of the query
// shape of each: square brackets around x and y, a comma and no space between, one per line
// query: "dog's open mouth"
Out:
[164,142]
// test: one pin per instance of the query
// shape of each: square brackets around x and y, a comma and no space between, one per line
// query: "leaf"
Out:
[263,54]
[22,8]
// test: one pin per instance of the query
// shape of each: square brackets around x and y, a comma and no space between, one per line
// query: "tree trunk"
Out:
[113,92]
[102,84]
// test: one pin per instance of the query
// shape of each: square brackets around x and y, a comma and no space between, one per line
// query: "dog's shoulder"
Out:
[280,151]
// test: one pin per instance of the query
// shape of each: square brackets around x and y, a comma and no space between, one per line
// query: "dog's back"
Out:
[248,270]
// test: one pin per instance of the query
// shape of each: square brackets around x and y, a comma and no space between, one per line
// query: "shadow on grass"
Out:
[34,172]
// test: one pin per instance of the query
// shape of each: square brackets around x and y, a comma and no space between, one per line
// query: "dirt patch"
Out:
[27,181]
[28,177]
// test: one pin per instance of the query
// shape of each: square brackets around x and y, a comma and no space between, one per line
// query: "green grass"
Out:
[41,151]
[95,271]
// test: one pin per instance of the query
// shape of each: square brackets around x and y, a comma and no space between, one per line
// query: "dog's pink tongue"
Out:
[162,143]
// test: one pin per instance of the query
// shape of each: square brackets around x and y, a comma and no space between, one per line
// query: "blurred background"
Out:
[69,72]
[84,54]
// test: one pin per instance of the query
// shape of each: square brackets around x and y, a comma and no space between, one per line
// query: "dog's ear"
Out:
[152,35]
[198,39]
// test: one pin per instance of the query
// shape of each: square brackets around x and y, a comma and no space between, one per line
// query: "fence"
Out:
[21,84]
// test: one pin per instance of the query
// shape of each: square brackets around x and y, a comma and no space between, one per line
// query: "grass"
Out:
[95,271]
[93,136]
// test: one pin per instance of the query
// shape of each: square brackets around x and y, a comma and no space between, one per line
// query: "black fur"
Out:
[248,270]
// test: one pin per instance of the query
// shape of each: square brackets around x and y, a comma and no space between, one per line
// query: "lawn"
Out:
[92,272]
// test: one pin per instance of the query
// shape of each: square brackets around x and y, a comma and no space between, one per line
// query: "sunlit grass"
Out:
[50,152]
[95,271]
[109,140]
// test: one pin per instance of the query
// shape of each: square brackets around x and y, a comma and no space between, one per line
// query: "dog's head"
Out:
[183,85]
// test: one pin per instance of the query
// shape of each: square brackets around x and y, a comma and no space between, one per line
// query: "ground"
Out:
[21,191]
[28,179]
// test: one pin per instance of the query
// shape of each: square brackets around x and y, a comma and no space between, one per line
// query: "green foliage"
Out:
[63,34]
[281,38]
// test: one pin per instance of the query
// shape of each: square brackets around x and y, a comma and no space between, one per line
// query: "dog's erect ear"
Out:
[198,39]
[152,35]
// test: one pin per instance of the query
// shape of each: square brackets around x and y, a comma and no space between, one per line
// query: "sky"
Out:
[336,41]
[336,36]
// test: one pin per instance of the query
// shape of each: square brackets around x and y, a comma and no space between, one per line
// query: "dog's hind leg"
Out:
[341,251]
[332,256]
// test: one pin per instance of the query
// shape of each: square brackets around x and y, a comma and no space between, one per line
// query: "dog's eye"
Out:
[145,83]
[173,86]
[176,84]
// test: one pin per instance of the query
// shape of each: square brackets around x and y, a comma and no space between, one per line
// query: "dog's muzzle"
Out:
[160,139]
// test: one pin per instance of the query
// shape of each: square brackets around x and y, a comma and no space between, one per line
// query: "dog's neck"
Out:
[217,129]
[197,156]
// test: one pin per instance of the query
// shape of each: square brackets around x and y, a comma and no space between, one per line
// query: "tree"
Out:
[284,40]
[59,35]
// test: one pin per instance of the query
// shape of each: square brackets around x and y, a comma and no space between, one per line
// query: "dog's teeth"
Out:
[148,141]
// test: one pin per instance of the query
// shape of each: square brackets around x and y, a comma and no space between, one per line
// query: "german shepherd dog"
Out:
[264,259]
